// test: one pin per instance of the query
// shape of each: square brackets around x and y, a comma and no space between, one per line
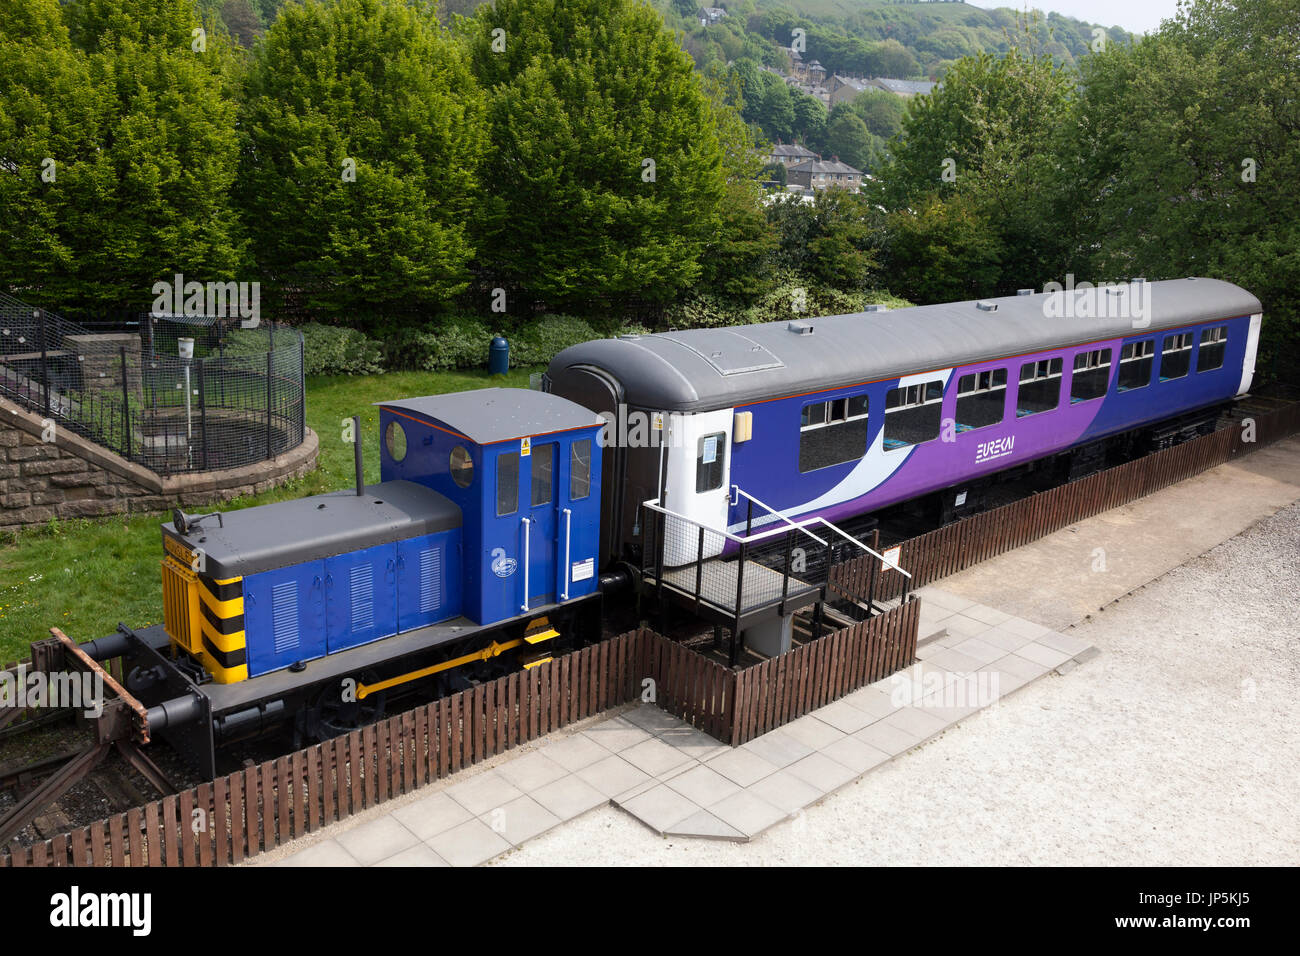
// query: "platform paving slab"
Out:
[468,844]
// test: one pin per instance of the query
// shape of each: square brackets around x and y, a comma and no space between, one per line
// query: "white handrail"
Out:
[741,491]
[527,536]
[568,521]
[749,539]
[848,537]
[800,525]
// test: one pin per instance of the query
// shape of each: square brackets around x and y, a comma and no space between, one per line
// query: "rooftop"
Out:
[489,415]
[826,166]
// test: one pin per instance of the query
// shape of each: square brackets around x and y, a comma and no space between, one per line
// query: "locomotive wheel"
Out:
[332,714]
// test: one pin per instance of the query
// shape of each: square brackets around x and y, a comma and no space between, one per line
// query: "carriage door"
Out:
[542,568]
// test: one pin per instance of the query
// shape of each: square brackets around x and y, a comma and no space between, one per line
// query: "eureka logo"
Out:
[994,448]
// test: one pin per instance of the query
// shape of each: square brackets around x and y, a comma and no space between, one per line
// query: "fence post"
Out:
[45,365]
[302,393]
[203,412]
[126,405]
[269,392]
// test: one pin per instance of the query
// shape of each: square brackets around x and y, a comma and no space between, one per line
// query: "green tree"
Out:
[993,133]
[123,154]
[810,121]
[363,133]
[942,251]
[848,138]
[609,159]
[882,112]
[1185,159]
[833,241]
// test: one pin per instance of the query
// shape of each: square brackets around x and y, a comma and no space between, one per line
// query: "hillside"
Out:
[855,36]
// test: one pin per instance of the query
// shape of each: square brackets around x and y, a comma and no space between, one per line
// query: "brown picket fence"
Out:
[258,808]
[967,542]
[737,706]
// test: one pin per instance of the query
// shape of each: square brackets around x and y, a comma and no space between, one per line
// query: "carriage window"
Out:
[507,483]
[981,398]
[1135,364]
[832,432]
[1175,356]
[711,455]
[912,414]
[543,484]
[1091,375]
[1040,387]
[580,469]
[1213,343]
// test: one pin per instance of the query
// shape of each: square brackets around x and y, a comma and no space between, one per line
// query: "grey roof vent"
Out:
[1024,292]
[800,328]
[877,308]
[984,305]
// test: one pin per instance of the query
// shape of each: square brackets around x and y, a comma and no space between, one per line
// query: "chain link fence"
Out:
[230,397]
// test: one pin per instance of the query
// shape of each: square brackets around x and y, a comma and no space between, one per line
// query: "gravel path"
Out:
[1176,746]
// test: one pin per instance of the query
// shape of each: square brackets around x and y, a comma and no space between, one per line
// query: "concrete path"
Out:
[681,782]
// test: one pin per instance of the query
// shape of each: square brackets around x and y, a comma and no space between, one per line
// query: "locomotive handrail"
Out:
[527,522]
[568,523]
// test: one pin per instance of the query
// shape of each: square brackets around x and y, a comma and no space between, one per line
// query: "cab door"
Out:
[542,525]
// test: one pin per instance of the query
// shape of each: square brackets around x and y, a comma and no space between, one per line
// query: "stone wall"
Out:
[71,477]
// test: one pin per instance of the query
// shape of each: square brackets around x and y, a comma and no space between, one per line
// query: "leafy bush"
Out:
[334,350]
[793,296]
[537,342]
[456,342]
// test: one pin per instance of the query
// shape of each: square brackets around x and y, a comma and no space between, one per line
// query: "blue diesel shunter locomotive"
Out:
[475,555]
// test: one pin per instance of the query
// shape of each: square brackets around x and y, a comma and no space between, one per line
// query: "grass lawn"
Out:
[87,575]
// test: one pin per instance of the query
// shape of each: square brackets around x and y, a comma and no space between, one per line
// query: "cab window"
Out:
[507,483]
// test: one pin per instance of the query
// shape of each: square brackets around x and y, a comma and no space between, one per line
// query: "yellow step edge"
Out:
[541,636]
[531,664]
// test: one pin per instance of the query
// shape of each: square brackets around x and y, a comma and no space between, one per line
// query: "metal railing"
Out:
[818,519]
[237,401]
[738,576]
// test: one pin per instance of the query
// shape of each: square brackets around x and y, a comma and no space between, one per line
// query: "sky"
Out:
[1140,16]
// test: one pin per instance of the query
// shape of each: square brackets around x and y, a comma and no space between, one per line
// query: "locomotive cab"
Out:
[522,466]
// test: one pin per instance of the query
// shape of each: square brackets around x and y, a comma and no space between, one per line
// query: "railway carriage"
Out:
[845,415]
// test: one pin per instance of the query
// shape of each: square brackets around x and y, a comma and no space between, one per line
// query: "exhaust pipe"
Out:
[356,454]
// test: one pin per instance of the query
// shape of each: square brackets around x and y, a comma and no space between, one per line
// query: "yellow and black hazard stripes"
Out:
[221,623]
[204,616]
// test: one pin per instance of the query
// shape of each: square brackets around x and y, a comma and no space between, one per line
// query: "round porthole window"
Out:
[462,466]
[395,441]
